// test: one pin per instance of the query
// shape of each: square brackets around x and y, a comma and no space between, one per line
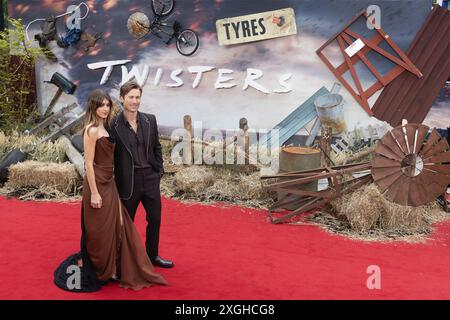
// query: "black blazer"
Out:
[123,159]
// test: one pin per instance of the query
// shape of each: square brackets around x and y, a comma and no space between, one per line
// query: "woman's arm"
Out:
[89,140]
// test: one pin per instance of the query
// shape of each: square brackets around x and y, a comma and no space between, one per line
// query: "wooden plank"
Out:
[392,74]
[408,64]
[366,61]
[329,194]
[408,97]
[384,53]
[431,141]
[362,165]
[396,88]
[284,201]
[390,142]
[397,189]
[399,136]
[362,96]
[385,182]
[321,176]
[411,130]
[387,152]
[439,168]
[422,132]
[380,173]
[436,71]
[438,147]
[308,206]
[417,192]
[342,80]
[343,67]
[430,90]
[365,103]
[380,161]
[440,158]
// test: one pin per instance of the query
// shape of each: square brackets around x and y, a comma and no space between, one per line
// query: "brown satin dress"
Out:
[112,241]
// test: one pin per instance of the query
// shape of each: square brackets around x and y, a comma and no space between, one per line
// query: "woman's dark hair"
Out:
[95,101]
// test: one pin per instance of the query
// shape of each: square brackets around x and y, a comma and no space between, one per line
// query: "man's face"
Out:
[132,100]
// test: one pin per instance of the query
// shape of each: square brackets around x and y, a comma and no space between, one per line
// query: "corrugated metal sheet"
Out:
[408,97]
[297,119]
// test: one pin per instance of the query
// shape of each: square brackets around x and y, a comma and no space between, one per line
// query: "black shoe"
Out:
[160,262]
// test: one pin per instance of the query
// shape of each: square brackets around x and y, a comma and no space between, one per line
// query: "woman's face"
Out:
[103,111]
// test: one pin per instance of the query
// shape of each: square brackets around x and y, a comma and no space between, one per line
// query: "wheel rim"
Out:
[187,42]
[160,5]
[411,168]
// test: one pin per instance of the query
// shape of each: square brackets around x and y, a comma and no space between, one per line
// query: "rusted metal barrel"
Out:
[329,109]
[296,159]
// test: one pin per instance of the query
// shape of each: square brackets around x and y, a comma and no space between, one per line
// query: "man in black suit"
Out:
[138,165]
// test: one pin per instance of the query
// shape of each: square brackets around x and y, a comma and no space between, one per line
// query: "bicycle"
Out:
[139,26]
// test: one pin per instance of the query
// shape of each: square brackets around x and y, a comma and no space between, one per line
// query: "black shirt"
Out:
[137,144]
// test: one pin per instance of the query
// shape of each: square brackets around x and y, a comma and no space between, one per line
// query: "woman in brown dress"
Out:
[111,248]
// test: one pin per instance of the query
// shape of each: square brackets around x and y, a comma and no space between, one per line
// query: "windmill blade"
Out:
[380,161]
[432,139]
[411,129]
[410,168]
[391,143]
[399,136]
[422,132]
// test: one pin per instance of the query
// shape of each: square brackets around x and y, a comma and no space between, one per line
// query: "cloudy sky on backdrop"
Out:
[316,22]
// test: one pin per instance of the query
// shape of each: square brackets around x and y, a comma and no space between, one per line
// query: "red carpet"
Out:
[224,253]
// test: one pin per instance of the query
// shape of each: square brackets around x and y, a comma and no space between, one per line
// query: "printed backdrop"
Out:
[316,22]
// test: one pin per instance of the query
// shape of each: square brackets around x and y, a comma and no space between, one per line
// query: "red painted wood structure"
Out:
[345,38]
[408,97]
[305,200]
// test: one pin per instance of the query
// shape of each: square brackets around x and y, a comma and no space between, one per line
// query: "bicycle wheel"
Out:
[162,7]
[187,42]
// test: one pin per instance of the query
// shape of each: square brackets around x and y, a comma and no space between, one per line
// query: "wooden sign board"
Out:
[255,27]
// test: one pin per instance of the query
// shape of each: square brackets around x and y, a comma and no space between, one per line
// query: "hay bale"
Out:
[250,187]
[49,152]
[232,187]
[39,151]
[193,179]
[221,190]
[3,145]
[367,209]
[23,142]
[229,183]
[60,176]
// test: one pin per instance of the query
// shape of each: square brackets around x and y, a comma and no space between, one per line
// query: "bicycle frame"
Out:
[158,26]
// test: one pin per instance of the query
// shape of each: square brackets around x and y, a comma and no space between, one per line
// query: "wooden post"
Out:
[243,125]
[52,103]
[189,157]
[325,146]
[74,156]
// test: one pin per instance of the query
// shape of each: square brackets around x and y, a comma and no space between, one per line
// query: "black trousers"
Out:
[146,190]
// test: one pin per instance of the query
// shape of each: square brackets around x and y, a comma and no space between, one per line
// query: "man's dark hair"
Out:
[128,86]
